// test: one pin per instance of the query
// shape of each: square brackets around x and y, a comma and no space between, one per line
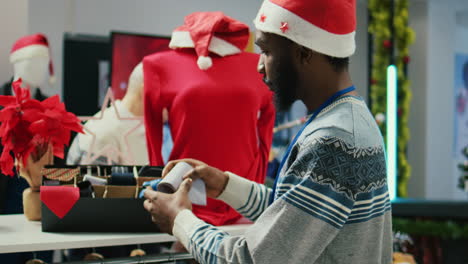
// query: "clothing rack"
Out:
[147,259]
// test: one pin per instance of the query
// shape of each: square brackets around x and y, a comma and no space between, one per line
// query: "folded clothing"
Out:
[153,184]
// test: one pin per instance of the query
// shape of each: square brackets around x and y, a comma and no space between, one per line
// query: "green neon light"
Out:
[392,130]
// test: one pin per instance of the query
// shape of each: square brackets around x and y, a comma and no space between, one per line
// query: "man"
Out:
[331,203]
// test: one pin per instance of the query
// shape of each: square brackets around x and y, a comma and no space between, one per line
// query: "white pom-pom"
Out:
[380,118]
[204,62]
[52,79]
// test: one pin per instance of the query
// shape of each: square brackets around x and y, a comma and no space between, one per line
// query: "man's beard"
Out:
[283,85]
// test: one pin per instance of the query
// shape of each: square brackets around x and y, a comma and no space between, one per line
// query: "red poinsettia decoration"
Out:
[28,124]
[55,124]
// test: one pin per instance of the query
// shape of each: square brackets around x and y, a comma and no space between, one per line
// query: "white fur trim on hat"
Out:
[204,62]
[303,32]
[182,39]
[29,52]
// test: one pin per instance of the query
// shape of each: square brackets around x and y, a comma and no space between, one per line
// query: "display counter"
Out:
[20,235]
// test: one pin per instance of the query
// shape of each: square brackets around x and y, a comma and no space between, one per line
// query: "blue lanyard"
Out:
[314,115]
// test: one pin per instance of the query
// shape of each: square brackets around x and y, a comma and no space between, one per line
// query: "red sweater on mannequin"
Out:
[222,116]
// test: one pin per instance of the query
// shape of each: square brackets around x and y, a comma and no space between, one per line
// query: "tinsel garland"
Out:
[443,229]
[379,28]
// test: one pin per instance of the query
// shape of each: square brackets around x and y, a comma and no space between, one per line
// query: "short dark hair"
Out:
[338,64]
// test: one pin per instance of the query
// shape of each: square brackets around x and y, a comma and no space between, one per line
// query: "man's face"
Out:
[279,70]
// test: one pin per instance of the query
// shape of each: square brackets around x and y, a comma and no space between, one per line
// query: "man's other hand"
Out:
[164,207]
[215,180]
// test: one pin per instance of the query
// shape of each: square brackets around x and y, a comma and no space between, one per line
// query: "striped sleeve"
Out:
[370,205]
[319,201]
[209,244]
[249,198]
[206,242]
[270,239]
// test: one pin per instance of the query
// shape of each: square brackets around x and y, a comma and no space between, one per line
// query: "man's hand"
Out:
[215,180]
[165,207]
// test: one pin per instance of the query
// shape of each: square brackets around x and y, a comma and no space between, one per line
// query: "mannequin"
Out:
[31,61]
[33,71]
[219,110]
[134,96]
[30,58]
[133,102]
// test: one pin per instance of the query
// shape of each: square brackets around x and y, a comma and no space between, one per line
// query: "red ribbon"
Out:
[59,199]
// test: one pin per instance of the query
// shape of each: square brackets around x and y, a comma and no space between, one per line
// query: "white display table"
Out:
[17,234]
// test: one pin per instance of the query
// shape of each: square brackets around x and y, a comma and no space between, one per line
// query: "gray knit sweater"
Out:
[331,204]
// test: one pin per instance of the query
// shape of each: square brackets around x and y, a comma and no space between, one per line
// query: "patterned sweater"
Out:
[331,204]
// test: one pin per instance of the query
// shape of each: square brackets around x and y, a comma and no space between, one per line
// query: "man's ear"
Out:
[304,54]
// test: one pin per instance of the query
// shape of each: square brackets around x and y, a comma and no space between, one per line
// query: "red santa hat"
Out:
[325,26]
[31,46]
[210,32]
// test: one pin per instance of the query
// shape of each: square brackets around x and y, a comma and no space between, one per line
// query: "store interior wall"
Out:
[52,18]
[154,17]
[431,70]
[441,171]
[431,67]
[13,25]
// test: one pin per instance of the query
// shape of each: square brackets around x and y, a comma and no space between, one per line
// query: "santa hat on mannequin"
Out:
[31,46]
[210,32]
[325,26]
